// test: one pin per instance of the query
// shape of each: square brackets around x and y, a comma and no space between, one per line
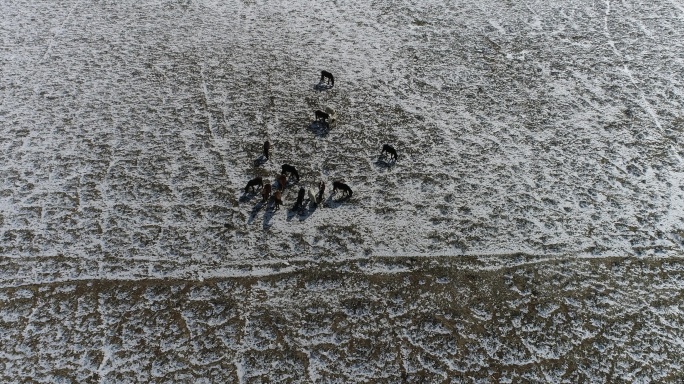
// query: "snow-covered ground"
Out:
[378,321]
[548,131]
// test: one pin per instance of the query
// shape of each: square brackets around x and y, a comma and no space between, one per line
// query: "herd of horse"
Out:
[288,170]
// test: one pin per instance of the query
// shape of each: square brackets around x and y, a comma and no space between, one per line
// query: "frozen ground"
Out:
[549,131]
[435,320]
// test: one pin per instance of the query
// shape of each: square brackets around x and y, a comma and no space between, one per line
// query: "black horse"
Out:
[328,77]
[287,168]
[321,191]
[300,198]
[346,190]
[255,182]
[386,148]
[321,116]
[267,148]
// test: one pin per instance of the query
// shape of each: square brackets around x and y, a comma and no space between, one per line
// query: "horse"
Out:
[266,192]
[332,114]
[312,196]
[330,79]
[282,182]
[389,149]
[344,187]
[321,116]
[300,198]
[287,168]
[321,191]
[267,147]
[255,182]
[277,200]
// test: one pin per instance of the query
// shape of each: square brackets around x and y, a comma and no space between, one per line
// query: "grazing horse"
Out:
[312,196]
[321,191]
[267,148]
[282,182]
[321,116]
[332,114]
[266,192]
[300,198]
[344,187]
[255,182]
[277,200]
[287,168]
[389,149]
[325,75]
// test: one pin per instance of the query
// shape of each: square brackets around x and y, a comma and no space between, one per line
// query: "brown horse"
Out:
[266,192]
[255,182]
[282,182]
[346,190]
[277,200]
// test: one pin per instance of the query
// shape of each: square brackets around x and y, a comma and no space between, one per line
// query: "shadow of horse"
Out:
[246,197]
[303,212]
[320,87]
[306,213]
[382,163]
[255,211]
[261,160]
[268,215]
[335,203]
[320,128]
[291,213]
